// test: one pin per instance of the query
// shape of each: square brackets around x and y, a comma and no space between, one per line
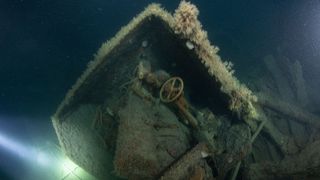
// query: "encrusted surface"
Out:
[150,138]
[81,144]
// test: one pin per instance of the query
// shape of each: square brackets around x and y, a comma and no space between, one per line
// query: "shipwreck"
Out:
[158,102]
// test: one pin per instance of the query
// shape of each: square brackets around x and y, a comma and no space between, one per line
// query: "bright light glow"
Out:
[48,157]
[43,159]
[73,171]
[68,166]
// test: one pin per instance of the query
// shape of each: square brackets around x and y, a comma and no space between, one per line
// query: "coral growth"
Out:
[229,66]
[186,19]
[187,24]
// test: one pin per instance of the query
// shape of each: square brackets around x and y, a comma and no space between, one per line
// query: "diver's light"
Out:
[24,152]
[47,158]
[15,147]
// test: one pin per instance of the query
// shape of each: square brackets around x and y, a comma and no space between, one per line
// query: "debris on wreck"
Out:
[159,103]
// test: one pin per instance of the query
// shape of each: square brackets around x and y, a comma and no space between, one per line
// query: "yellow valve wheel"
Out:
[171,89]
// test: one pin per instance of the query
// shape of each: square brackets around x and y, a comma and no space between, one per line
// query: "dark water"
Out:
[46,44]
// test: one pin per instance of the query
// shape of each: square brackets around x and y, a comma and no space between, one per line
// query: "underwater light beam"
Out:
[26,153]
[42,158]
[13,146]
